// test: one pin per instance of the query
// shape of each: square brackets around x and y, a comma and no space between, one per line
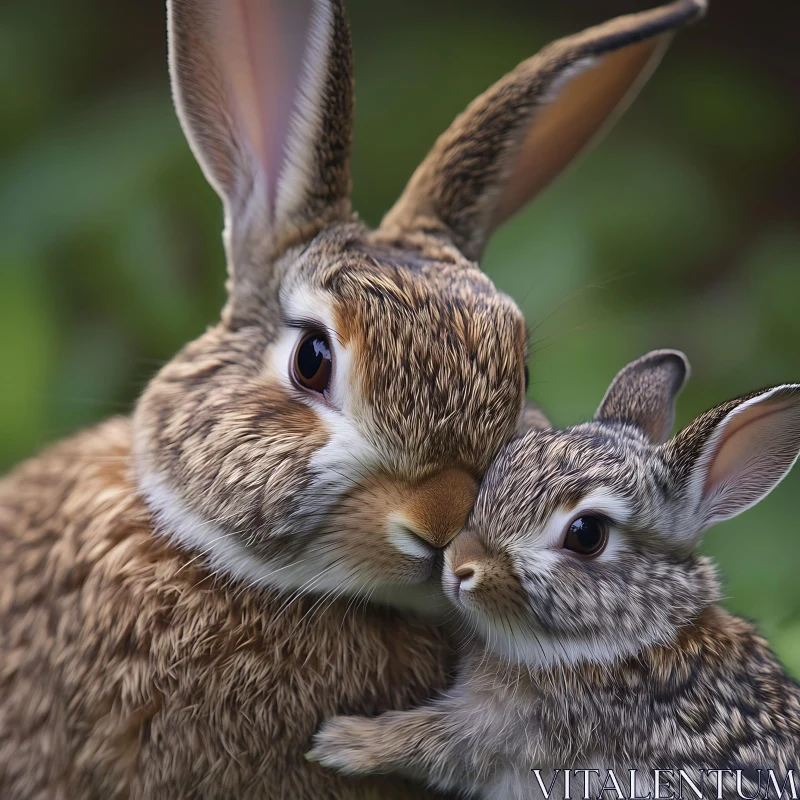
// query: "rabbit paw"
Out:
[347,744]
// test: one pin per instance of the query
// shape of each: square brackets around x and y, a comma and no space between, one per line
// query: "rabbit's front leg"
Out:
[431,743]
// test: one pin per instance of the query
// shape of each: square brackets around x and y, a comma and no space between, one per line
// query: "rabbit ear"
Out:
[734,455]
[263,90]
[644,393]
[517,136]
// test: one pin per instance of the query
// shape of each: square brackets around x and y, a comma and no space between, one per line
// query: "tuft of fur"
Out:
[130,670]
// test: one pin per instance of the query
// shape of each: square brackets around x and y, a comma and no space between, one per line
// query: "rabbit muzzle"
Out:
[436,508]
[478,579]
[418,518]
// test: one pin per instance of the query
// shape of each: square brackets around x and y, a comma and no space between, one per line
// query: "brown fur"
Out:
[201,87]
[452,491]
[130,666]
[437,386]
[127,670]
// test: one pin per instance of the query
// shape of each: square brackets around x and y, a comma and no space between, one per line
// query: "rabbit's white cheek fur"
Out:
[512,628]
[347,456]
[225,553]
[368,547]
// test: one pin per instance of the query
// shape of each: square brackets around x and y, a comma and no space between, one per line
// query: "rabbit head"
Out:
[328,434]
[581,543]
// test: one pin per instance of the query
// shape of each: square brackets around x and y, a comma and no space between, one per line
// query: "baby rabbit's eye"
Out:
[312,362]
[587,536]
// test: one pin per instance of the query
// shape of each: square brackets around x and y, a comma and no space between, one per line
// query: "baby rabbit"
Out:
[599,643]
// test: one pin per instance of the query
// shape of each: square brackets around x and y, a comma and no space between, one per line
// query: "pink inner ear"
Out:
[261,45]
[746,443]
[583,106]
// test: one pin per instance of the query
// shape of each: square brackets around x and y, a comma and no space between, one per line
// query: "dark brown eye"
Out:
[312,362]
[587,536]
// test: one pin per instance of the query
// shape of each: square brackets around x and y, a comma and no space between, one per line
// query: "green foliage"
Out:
[674,232]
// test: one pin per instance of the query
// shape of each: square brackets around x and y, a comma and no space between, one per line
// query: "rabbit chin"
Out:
[414,587]
[538,648]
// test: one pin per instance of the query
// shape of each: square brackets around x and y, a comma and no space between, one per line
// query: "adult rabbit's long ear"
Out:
[263,90]
[517,136]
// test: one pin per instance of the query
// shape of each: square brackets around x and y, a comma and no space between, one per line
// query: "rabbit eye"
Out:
[587,536]
[312,362]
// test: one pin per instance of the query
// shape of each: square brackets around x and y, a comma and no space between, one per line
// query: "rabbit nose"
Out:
[464,558]
[437,507]
[468,575]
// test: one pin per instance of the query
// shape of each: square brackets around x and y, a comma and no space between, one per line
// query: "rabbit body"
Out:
[186,594]
[599,644]
[130,670]
[715,698]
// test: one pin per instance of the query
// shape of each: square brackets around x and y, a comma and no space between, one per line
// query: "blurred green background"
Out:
[682,229]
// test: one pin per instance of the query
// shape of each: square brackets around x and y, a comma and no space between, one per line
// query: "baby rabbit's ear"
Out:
[644,393]
[734,455]
[263,90]
[517,136]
